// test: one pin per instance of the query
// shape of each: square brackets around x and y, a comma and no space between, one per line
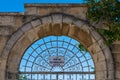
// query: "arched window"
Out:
[56,58]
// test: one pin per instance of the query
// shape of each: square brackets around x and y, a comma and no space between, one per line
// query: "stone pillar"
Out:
[116,55]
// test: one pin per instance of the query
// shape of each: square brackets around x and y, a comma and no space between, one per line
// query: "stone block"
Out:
[0,19]
[78,12]
[115,48]
[2,72]
[98,57]
[86,28]
[111,74]
[101,66]
[78,22]
[102,44]
[117,61]
[116,57]
[31,35]
[117,66]
[26,27]
[40,32]
[101,75]
[65,28]
[95,35]
[85,38]
[43,11]
[73,30]
[22,44]
[108,55]
[36,22]
[46,19]
[3,41]
[67,19]
[47,29]
[57,18]
[94,48]
[7,20]
[31,11]
[6,30]
[56,28]
[117,75]
[14,38]
[18,22]
[11,42]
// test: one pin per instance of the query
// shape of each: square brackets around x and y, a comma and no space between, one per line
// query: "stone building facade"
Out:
[19,30]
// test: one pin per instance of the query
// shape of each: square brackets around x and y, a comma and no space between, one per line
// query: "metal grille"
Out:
[56,58]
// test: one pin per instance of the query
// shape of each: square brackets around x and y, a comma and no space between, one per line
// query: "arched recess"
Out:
[57,24]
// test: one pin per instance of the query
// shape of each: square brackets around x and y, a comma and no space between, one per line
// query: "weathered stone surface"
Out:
[21,46]
[84,37]
[117,64]
[57,18]
[46,20]
[115,48]
[116,57]
[31,35]
[26,27]
[40,32]
[102,44]
[14,38]
[0,19]
[67,19]
[109,61]
[78,23]
[3,41]
[56,28]
[18,22]
[117,61]
[108,57]
[98,57]
[85,27]
[65,29]
[117,75]
[2,69]
[110,75]
[78,11]
[2,74]
[43,11]
[94,48]
[36,23]
[100,66]
[31,11]
[95,34]
[6,30]
[73,30]
[47,28]
[102,75]
[7,20]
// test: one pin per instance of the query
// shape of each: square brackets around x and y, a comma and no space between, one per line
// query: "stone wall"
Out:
[18,31]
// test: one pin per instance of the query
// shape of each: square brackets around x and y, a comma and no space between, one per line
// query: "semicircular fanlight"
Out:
[58,56]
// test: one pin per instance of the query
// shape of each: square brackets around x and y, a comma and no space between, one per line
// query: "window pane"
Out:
[56,58]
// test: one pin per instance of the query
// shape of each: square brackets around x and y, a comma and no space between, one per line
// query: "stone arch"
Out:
[57,24]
